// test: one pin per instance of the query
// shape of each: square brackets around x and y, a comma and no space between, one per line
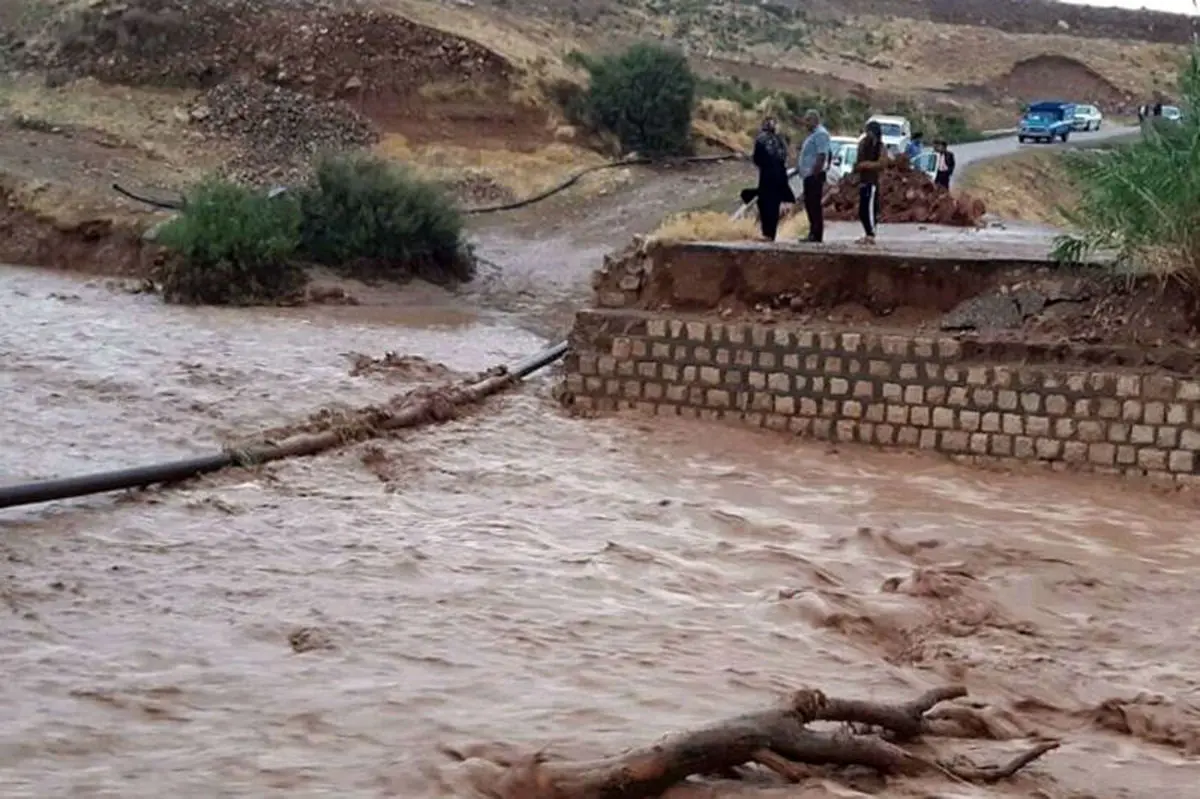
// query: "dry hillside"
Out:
[157,92]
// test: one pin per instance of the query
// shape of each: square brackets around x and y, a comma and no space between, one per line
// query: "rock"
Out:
[354,82]
[987,312]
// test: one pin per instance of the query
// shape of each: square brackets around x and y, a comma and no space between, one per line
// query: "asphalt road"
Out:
[974,152]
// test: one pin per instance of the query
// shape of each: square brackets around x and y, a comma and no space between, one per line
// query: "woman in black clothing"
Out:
[770,156]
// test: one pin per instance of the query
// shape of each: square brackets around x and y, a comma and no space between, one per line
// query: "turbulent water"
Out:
[318,627]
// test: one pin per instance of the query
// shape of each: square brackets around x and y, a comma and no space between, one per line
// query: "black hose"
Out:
[141,476]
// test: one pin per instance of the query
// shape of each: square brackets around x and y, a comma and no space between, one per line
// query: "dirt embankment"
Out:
[1032,186]
[1053,75]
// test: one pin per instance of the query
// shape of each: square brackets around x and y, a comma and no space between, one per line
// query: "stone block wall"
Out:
[887,390]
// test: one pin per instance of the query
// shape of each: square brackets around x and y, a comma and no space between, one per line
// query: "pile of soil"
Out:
[279,130]
[1069,77]
[906,195]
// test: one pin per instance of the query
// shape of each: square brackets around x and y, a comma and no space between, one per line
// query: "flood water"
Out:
[521,576]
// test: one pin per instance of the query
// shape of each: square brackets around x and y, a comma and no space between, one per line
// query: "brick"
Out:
[697,331]
[1006,400]
[1141,434]
[785,405]
[1177,414]
[1151,459]
[1037,425]
[682,353]
[833,365]
[791,361]
[846,430]
[968,420]
[1154,413]
[652,391]
[762,401]
[839,387]
[1108,408]
[909,371]
[958,396]
[1048,449]
[677,393]
[733,377]
[1168,437]
[660,351]
[1076,382]
[640,349]
[766,360]
[691,374]
[928,439]
[626,368]
[1127,385]
[949,348]
[1002,445]
[919,415]
[1104,454]
[1190,440]
[670,372]
[677,328]
[632,388]
[864,389]
[585,403]
[1090,431]
[943,418]
[806,340]
[933,371]
[779,381]
[612,387]
[897,414]
[808,406]
[595,384]
[978,375]
[1188,391]
[1031,401]
[575,383]
[935,395]
[646,408]
[952,374]
[1012,424]
[955,441]
[782,338]
[866,432]
[606,365]
[990,422]
[1082,409]
[1064,428]
[744,357]
[829,341]
[829,407]
[1002,377]
[983,398]
[875,412]
[757,379]
[723,356]
[1126,454]
[922,347]
[879,368]
[851,342]
[587,364]
[1158,387]
[908,436]
[893,392]
[852,409]
[895,345]
[1057,405]
[775,421]
[885,434]
[710,375]
[1075,452]
[1023,447]
[696,395]
[800,425]
[656,328]
[914,395]
[979,443]
[1181,461]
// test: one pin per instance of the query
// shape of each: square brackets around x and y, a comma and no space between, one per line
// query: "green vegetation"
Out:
[1142,200]
[366,217]
[844,115]
[361,216]
[644,96]
[233,246]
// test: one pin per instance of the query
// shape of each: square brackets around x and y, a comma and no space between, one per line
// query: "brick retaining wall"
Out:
[888,390]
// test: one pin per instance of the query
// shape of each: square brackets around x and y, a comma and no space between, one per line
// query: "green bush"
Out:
[1142,200]
[644,96]
[232,246]
[367,217]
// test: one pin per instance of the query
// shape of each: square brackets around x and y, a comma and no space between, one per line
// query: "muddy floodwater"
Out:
[318,627]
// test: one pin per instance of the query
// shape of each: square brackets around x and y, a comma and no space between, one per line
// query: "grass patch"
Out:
[1032,186]
[716,226]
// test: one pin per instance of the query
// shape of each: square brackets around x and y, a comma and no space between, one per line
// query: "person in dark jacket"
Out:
[945,164]
[872,158]
[770,156]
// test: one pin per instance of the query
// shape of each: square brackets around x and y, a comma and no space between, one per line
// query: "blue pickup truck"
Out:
[1046,121]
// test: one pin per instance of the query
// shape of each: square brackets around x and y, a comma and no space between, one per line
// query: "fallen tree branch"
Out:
[778,739]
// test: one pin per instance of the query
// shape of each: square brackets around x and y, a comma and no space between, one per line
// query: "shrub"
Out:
[644,96]
[1142,200]
[366,217]
[232,246]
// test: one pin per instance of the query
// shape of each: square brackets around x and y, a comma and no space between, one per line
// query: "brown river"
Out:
[320,626]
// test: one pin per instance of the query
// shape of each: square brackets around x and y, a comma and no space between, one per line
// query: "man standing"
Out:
[872,158]
[913,150]
[815,155]
[770,156]
[945,164]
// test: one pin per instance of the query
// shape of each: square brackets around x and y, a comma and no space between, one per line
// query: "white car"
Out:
[1087,117]
[1172,113]
[926,162]
[897,132]
[843,154]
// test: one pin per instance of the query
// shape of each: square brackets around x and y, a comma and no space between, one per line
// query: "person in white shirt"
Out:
[813,161]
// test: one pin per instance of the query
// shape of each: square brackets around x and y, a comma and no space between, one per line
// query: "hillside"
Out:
[158,92]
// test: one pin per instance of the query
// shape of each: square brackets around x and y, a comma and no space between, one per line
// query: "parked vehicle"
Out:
[843,155]
[1172,113]
[1046,121]
[1087,117]
[926,162]
[896,132]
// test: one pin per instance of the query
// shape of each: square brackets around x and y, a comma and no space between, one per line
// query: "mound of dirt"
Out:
[906,195]
[1029,79]
[377,59]
[279,130]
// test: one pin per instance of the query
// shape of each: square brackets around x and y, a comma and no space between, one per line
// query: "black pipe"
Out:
[141,476]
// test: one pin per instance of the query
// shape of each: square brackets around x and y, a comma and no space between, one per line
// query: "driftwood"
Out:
[874,735]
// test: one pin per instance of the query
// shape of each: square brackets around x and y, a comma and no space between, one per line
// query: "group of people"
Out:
[813,162]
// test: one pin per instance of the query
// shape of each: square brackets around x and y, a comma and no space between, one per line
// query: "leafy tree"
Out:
[645,96]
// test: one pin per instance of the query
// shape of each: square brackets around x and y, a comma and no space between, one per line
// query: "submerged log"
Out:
[778,739]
